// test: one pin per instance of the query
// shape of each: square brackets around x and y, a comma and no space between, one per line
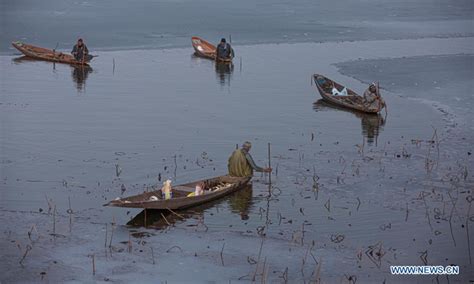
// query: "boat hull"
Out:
[45,54]
[180,199]
[207,50]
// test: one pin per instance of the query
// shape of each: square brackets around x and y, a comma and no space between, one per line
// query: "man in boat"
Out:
[80,51]
[224,50]
[241,163]
[372,99]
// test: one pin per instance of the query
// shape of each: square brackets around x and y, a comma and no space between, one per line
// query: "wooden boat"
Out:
[351,101]
[215,188]
[46,54]
[239,202]
[206,49]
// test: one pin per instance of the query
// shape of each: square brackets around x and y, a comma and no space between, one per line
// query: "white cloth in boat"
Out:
[336,92]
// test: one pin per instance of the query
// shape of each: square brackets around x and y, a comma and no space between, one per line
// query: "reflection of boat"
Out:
[352,100]
[224,72]
[206,49]
[240,203]
[216,188]
[46,54]
[371,123]
[23,59]
[79,75]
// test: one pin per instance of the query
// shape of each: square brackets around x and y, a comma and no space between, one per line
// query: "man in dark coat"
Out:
[80,51]
[224,50]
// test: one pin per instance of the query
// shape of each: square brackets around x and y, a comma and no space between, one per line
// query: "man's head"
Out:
[247,146]
[372,88]
[223,40]
[80,42]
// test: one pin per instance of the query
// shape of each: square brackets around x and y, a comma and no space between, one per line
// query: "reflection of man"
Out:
[224,72]
[241,163]
[240,202]
[80,74]
[370,126]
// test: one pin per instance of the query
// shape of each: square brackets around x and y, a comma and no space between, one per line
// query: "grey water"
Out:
[345,184]
[148,24]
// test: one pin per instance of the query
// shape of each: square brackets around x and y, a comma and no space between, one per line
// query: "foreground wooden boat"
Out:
[351,101]
[206,49]
[220,187]
[46,54]
[239,203]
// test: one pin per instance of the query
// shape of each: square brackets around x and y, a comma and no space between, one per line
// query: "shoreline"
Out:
[13,52]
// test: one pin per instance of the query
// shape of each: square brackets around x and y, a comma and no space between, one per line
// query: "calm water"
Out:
[342,179]
[171,23]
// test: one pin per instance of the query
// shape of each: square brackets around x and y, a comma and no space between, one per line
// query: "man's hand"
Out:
[267,170]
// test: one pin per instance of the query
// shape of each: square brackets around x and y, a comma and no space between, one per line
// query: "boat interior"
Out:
[185,189]
[327,85]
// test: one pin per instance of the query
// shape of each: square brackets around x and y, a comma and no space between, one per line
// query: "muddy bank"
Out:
[445,79]
[351,191]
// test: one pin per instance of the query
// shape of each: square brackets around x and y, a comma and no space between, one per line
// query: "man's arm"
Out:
[74,50]
[252,163]
[86,51]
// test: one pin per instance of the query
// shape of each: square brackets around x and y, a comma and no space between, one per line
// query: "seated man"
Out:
[371,97]
[241,163]
[224,50]
[80,51]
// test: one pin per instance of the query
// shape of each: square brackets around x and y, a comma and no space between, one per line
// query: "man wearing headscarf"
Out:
[241,163]
[372,99]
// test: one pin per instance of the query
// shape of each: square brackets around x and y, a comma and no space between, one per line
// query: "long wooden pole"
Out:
[145,218]
[82,63]
[379,98]
[269,164]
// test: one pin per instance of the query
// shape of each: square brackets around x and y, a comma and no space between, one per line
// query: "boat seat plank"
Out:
[183,188]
